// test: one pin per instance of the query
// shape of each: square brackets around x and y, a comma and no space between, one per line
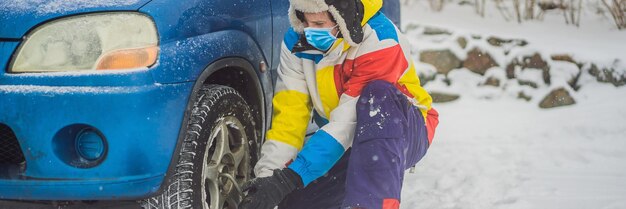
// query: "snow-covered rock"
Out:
[479,61]
[443,60]
[556,98]
[452,65]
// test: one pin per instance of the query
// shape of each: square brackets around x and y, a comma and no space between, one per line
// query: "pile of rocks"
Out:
[446,52]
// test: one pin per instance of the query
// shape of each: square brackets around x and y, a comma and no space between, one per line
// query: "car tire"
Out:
[216,156]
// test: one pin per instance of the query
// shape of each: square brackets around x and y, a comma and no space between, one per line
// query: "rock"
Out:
[563,57]
[557,98]
[492,81]
[478,61]
[510,69]
[607,75]
[611,77]
[476,37]
[527,83]
[439,97]
[523,96]
[522,42]
[573,82]
[593,70]
[535,61]
[462,42]
[435,31]
[466,2]
[424,79]
[443,60]
[447,81]
[494,41]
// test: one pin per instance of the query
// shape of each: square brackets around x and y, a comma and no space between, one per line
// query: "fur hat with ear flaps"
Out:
[350,15]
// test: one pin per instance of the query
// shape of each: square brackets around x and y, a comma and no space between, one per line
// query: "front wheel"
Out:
[217,154]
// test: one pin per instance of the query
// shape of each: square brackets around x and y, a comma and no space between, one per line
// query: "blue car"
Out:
[161,101]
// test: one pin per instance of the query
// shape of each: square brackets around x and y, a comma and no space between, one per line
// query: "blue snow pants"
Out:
[390,137]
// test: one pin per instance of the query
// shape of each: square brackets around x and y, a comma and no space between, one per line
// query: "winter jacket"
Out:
[327,85]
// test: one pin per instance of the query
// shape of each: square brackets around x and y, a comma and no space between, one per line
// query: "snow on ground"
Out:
[507,154]
[501,152]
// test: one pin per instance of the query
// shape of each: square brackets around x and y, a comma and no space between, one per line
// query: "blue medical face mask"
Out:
[320,38]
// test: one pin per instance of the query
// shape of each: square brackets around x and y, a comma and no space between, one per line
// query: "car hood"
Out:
[17,17]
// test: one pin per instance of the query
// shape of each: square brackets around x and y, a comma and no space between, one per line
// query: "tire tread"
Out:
[179,192]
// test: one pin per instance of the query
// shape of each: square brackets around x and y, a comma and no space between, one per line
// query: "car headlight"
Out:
[99,41]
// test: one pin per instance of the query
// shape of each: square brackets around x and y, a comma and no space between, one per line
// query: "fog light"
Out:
[90,145]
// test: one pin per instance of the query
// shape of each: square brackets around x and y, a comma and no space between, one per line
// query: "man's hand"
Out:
[267,192]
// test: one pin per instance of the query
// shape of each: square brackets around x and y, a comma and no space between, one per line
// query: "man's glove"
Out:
[267,192]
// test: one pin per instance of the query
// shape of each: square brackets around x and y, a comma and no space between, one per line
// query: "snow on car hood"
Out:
[19,16]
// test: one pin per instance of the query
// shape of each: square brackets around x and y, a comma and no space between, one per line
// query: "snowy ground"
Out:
[506,153]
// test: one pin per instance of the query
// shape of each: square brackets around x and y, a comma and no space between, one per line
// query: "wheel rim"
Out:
[226,165]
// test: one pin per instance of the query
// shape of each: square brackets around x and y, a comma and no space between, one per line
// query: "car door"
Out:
[280,21]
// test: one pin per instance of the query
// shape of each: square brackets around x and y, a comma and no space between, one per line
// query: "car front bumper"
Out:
[140,121]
